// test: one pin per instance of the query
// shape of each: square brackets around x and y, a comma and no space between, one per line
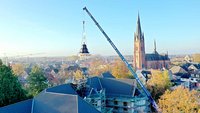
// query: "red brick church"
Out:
[141,60]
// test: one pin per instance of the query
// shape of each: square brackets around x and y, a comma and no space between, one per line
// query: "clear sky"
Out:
[54,27]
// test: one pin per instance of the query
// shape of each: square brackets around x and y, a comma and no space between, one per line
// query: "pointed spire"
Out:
[155,51]
[138,28]
[154,45]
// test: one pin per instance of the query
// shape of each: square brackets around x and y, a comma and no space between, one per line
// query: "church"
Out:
[141,60]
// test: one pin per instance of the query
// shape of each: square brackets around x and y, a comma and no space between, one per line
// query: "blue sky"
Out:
[54,27]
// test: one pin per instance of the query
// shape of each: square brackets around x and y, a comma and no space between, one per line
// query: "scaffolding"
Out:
[113,103]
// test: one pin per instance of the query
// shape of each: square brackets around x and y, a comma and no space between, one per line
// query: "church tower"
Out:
[139,47]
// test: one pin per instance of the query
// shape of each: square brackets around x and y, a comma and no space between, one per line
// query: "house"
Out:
[187,75]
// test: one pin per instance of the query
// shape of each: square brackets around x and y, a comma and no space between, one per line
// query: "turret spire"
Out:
[155,51]
[155,45]
[84,50]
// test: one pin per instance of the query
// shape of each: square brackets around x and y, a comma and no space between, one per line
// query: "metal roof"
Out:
[59,99]
[20,107]
[64,98]
[113,86]
[107,75]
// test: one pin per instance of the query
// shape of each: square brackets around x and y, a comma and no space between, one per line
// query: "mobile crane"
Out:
[125,61]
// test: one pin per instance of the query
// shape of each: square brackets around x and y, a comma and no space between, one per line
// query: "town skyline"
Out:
[55,28]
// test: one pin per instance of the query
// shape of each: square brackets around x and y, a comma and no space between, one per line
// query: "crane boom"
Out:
[125,61]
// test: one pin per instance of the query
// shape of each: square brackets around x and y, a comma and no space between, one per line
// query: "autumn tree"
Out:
[78,75]
[196,58]
[64,74]
[10,88]
[158,83]
[98,66]
[18,69]
[119,69]
[36,81]
[181,100]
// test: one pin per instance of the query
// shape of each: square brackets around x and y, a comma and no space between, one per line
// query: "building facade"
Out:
[147,61]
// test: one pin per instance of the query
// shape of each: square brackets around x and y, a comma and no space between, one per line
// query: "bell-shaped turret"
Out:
[84,49]
[84,53]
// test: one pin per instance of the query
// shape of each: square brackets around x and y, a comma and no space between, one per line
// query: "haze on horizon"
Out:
[55,27]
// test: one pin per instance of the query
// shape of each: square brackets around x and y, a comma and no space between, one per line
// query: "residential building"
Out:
[98,94]
[187,75]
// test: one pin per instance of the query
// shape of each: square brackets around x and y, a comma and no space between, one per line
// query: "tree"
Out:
[36,81]
[196,57]
[63,74]
[98,66]
[78,75]
[158,83]
[18,69]
[1,63]
[181,100]
[10,88]
[119,69]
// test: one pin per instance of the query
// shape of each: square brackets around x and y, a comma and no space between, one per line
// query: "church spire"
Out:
[139,47]
[138,28]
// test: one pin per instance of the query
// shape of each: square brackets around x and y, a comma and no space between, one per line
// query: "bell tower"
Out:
[139,47]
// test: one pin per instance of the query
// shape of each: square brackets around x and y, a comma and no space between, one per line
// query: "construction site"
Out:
[91,94]
[110,95]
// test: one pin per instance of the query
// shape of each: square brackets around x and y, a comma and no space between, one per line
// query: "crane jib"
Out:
[124,60]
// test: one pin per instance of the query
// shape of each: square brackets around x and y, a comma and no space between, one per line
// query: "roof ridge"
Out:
[60,93]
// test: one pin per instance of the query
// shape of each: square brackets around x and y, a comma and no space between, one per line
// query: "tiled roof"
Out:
[177,69]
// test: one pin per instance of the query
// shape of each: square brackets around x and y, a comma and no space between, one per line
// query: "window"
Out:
[115,102]
[166,66]
[136,48]
[125,109]
[116,108]
[125,103]
[143,66]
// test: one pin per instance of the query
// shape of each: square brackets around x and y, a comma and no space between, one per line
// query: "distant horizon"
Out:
[55,27]
[1,57]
